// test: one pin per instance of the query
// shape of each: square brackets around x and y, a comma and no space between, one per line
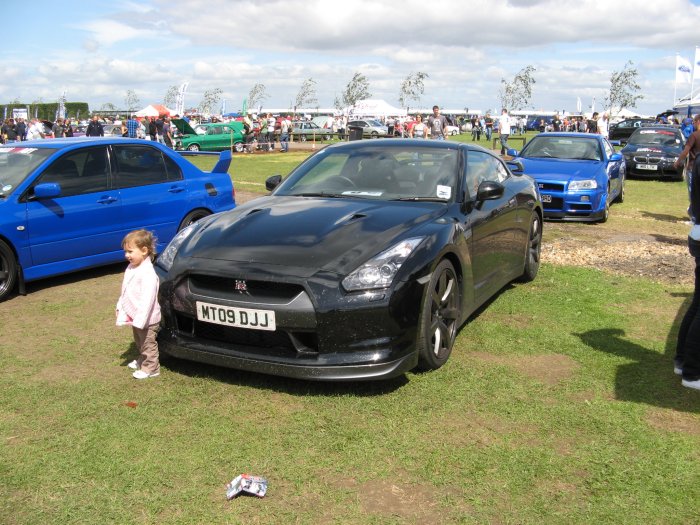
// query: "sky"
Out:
[95,51]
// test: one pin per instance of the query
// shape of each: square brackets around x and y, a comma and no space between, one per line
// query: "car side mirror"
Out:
[489,190]
[616,157]
[512,152]
[515,166]
[272,182]
[47,190]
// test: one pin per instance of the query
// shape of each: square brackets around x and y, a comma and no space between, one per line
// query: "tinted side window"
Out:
[483,167]
[79,172]
[138,166]
[174,171]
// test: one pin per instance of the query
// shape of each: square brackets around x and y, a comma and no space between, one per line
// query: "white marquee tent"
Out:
[154,110]
[374,108]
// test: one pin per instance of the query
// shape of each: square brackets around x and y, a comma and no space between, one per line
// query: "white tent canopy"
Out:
[153,110]
[374,108]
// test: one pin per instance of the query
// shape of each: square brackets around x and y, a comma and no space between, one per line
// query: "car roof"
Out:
[68,142]
[398,142]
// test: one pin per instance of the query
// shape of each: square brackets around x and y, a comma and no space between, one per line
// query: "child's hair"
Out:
[141,239]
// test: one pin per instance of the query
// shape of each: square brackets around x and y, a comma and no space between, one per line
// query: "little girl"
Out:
[138,304]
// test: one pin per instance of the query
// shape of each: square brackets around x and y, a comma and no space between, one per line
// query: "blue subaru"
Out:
[66,204]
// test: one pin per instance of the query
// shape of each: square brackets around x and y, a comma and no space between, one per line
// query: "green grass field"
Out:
[558,405]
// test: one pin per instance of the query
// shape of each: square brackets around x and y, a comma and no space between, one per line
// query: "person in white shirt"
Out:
[504,129]
[603,127]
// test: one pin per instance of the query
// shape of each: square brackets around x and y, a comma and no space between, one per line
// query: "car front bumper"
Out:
[321,332]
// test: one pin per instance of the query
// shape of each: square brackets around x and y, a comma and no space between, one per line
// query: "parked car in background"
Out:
[370,128]
[623,130]
[651,152]
[578,174]
[303,131]
[66,204]
[112,130]
[216,136]
[362,264]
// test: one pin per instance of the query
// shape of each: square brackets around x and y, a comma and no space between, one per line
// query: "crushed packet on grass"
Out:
[254,485]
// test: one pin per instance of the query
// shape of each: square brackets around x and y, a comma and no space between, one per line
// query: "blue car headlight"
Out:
[586,184]
[381,269]
[166,259]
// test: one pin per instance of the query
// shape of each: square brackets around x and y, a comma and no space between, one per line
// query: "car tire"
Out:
[439,317]
[193,147]
[621,196]
[8,270]
[239,147]
[302,138]
[606,211]
[193,217]
[326,137]
[533,250]
[374,135]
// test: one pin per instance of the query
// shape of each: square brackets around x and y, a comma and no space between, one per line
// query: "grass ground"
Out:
[559,405]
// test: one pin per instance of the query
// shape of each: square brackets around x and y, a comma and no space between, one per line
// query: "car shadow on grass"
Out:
[649,377]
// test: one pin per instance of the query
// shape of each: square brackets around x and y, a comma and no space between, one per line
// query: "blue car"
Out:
[578,174]
[66,204]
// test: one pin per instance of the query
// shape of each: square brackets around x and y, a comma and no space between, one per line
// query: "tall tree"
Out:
[412,87]
[257,95]
[170,98]
[357,89]
[108,106]
[307,94]
[517,93]
[131,100]
[624,89]
[210,99]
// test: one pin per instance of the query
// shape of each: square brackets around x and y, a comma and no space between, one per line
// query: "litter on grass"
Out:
[253,485]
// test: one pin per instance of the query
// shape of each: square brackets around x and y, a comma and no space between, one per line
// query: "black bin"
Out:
[354,133]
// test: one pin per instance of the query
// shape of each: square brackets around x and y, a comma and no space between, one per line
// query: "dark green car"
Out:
[217,136]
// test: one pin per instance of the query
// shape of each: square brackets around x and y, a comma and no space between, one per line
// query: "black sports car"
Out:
[362,264]
[651,152]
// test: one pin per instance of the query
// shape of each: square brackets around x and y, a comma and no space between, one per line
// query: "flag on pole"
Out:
[683,70]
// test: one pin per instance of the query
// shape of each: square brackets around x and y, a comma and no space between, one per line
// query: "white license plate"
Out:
[652,167]
[237,317]
[546,198]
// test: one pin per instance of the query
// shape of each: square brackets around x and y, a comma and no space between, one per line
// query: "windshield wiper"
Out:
[420,199]
[318,194]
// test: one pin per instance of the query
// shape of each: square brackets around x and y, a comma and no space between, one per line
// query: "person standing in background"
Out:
[504,129]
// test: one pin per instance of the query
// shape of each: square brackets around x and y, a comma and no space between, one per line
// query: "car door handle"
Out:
[107,199]
[176,189]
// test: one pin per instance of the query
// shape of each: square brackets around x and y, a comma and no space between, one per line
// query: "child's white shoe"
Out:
[140,374]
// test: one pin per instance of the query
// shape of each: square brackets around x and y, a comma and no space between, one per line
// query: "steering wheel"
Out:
[340,180]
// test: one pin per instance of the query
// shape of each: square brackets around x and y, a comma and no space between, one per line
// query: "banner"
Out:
[683,70]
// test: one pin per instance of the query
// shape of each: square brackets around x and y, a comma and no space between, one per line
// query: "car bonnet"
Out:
[332,234]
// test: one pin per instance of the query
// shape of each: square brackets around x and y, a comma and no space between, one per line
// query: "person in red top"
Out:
[692,148]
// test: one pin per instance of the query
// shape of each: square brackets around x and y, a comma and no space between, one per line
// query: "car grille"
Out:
[550,186]
[256,291]
[647,159]
[556,204]
[274,344]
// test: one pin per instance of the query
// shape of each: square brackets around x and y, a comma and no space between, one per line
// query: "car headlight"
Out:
[380,270]
[166,259]
[588,184]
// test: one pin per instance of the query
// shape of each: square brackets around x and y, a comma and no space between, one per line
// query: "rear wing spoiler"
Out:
[221,166]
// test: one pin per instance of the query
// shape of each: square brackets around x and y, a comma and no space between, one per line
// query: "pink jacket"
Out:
[138,303]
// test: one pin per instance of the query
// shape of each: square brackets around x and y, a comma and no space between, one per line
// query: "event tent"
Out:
[154,110]
[373,108]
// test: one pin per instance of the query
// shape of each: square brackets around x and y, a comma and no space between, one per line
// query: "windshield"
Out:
[16,163]
[658,137]
[412,173]
[573,148]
